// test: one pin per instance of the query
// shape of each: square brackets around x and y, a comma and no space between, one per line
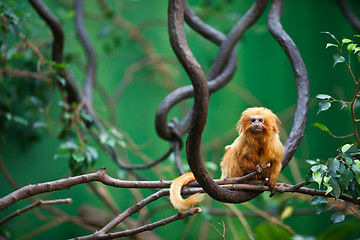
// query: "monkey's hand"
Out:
[258,169]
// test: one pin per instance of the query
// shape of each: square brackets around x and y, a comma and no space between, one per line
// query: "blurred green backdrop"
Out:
[263,77]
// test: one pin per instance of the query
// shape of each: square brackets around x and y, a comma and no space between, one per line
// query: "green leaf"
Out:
[91,153]
[103,136]
[336,188]
[332,35]
[20,120]
[357,162]
[343,105]
[70,14]
[346,177]
[337,217]
[323,106]
[346,147]
[338,59]
[341,168]
[311,162]
[354,188]
[60,65]
[319,200]
[357,50]
[333,164]
[351,47]
[317,178]
[62,81]
[326,179]
[324,96]
[345,40]
[356,168]
[328,189]
[68,146]
[315,168]
[331,45]
[78,157]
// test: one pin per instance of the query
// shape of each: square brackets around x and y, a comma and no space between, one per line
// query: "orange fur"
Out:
[250,148]
[175,197]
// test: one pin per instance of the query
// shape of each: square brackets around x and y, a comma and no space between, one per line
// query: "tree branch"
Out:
[201,97]
[89,50]
[148,227]
[34,205]
[24,74]
[351,17]
[101,176]
[57,47]
[301,78]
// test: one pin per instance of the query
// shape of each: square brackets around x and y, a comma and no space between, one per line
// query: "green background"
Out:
[263,77]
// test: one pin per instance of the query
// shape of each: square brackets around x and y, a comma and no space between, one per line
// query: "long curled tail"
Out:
[175,193]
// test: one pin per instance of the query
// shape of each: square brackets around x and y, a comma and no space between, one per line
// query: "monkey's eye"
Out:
[261,120]
[252,120]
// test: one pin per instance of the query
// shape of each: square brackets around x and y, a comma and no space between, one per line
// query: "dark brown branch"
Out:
[34,205]
[55,26]
[148,227]
[57,47]
[350,16]
[24,74]
[301,78]
[214,83]
[89,50]
[100,176]
[181,49]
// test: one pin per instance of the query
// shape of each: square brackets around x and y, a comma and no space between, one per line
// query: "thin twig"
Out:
[34,205]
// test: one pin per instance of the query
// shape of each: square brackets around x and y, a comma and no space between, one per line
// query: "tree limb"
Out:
[301,78]
[34,205]
[90,53]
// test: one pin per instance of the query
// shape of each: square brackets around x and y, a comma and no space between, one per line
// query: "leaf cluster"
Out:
[350,45]
[336,176]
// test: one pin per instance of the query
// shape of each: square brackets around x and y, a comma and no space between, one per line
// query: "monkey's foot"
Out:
[273,189]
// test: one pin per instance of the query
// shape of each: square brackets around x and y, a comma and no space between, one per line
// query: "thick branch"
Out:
[100,176]
[218,77]
[57,46]
[180,47]
[301,77]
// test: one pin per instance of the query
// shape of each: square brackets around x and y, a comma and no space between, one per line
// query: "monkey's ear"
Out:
[277,124]
[238,126]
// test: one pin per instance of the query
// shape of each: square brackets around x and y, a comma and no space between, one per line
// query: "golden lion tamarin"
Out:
[258,143]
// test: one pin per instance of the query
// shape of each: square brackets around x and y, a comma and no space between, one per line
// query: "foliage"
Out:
[341,174]
[23,100]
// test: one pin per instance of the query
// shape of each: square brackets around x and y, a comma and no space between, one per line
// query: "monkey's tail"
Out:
[175,193]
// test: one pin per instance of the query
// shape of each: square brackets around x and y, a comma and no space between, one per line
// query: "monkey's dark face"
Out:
[256,124]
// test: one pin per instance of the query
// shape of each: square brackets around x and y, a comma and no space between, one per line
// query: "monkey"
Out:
[258,143]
